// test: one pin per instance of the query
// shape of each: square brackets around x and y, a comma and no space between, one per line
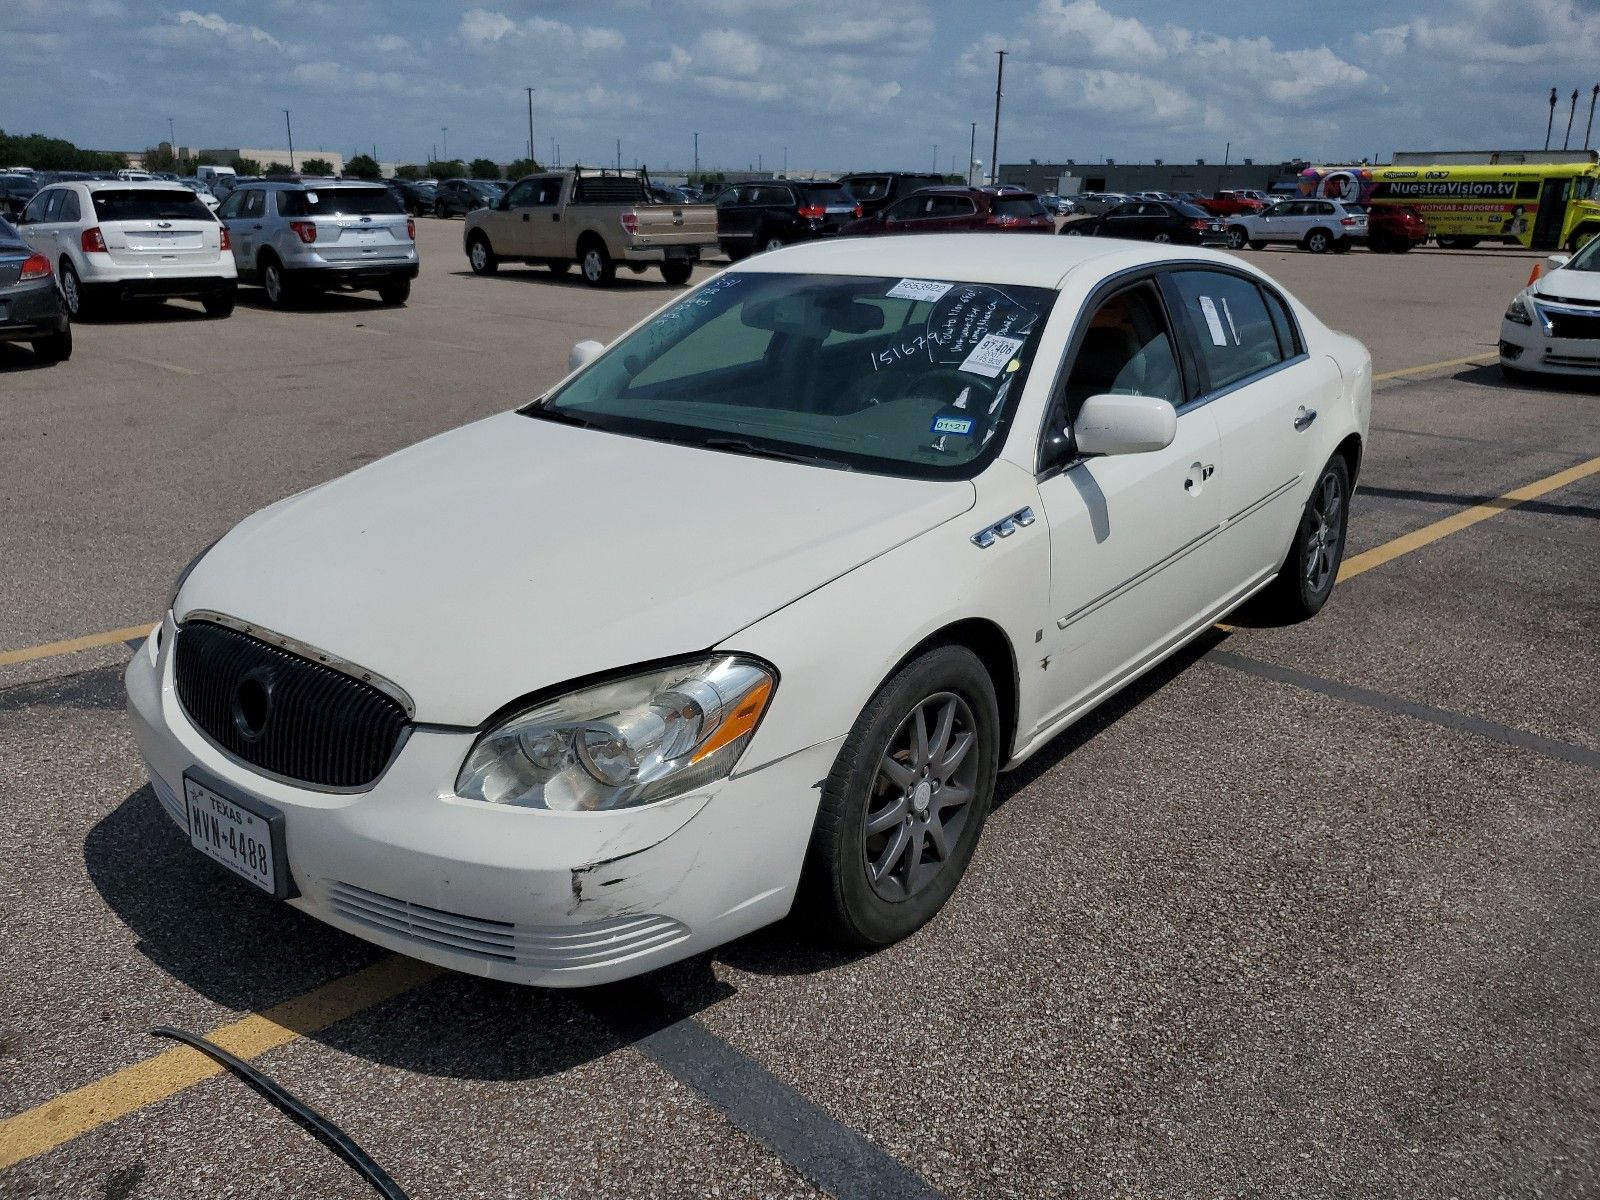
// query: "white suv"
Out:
[122,240]
[1318,225]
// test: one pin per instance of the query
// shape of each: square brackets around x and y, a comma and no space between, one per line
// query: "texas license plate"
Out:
[233,833]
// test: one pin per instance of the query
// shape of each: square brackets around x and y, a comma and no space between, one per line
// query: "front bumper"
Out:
[1527,348]
[534,897]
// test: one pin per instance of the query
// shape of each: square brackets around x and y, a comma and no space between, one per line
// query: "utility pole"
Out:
[444,141]
[290,130]
[619,154]
[786,162]
[697,153]
[1227,151]
[1594,95]
[1572,111]
[1550,124]
[172,138]
[994,151]
[936,158]
[972,154]
[531,155]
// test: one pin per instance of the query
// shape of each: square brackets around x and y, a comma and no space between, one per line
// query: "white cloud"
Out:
[239,37]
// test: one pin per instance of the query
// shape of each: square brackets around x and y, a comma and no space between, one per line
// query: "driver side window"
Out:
[524,194]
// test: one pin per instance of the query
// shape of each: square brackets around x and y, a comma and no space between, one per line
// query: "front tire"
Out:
[904,805]
[481,256]
[1306,579]
[677,271]
[55,348]
[1238,237]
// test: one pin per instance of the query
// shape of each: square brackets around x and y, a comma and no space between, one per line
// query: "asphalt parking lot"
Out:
[1310,911]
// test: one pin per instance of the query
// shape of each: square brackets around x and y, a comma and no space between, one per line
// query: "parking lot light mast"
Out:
[1587,129]
[697,154]
[972,153]
[289,129]
[444,142]
[1551,123]
[1572,111]
[530,92]
[994,149]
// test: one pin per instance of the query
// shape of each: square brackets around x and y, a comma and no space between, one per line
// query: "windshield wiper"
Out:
[740,446]
[560,415]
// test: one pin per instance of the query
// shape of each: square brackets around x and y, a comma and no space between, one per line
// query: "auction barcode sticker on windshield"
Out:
[918,289]
[990,356]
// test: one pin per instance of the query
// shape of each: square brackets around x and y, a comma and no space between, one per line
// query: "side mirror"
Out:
[503,204]
[1108,424]
[1556,261]
[583,353]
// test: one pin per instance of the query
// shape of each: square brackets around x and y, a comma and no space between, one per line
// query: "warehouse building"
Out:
[1071,177]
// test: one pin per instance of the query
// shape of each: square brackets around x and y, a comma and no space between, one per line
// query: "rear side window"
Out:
[1233,331]
[952,206]
[150,204]
[1018,206]
[339,202]
[1288,332]
[71,210]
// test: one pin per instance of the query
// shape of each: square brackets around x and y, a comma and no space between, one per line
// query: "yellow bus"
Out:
[1544,206]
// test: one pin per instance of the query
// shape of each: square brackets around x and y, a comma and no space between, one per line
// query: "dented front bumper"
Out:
[528,896]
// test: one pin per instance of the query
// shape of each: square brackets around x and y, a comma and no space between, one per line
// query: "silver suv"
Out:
[1318,225]
[303,236]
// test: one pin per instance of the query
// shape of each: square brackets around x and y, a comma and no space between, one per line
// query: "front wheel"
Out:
[481,256]
[771,243]
[1257,245]
[905,802]
[1306,579]
[396,292]
[598,268]
[57,347]
[677,271]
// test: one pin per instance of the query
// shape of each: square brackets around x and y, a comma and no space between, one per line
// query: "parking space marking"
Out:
[74,1113]
[110,637]
[1398,706]
[839,1160]
[160,366]
[1464,519]
[1473,359]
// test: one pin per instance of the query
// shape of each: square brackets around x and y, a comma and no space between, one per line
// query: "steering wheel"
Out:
[923,385]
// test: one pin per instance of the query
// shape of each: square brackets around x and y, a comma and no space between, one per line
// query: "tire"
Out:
[558,266]
[1258,245]
[395,292]
[220,304]
[1457,243]
[841,892]
[1580,238]
[73,293]
[1317,241]
[769,243]
[481,256]
[1072,231]
[1303,584]
[599,269]
[1238,237]
[677,271]
[438,210]
[55,348]
[1403,245]
[1341,245]
[1162,239]
[279,292]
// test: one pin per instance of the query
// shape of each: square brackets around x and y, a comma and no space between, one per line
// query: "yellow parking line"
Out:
[82,1109]
[161,366]
[72,645]
[1480,359]
[1467,517]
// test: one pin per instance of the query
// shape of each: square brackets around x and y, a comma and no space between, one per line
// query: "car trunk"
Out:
[151,227]
[11,260]
[353,224]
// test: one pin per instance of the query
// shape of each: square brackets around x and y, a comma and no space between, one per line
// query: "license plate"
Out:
[363,237]
[235,834]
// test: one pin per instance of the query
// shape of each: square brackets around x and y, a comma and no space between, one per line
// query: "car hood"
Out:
[1574,285]
[514,554]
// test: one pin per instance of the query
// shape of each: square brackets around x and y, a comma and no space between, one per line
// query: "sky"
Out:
[818,84]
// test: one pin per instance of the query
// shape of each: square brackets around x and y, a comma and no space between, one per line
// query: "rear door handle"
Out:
[1303,418]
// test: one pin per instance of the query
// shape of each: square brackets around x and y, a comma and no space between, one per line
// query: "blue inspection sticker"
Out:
[960,426]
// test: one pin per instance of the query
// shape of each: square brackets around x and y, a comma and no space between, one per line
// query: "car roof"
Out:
[972,257]
[121,185]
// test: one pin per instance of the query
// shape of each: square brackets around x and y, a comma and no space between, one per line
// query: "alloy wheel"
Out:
[70,292]
[1326,534]
[921,797]
[272,283]
[1163,238]
[478,255]
[592,266]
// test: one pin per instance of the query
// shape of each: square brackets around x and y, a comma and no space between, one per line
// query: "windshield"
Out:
[911,377]
[340,202]
[1587,259]
[150,204]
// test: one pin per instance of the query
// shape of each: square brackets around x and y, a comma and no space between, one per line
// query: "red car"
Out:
[957,210]
[1394,229]
[1229,204]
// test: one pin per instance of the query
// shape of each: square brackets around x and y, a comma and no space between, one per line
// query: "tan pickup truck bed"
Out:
[595,219]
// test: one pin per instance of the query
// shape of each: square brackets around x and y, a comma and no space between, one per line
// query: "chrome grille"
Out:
[419,923]
[290,716]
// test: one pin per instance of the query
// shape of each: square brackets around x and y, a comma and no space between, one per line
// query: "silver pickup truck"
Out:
[597,219]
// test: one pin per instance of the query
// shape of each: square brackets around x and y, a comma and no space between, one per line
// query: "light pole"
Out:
[444,142]
[1551,123]
[530,124]
[289,128]
[1571,112]
[697,154]
[972,154]
[936,158]
[1593,96]
[994,150]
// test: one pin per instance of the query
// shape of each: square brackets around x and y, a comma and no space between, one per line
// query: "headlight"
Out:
[623,743]
[1518,311]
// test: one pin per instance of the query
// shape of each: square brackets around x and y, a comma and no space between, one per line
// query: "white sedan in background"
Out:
[746,613]
[1552,326]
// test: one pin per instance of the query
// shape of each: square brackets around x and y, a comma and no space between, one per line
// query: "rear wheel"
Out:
[905,802]
[677,271]
[599,269]
[1255,245]
[1163,238]
[57,347]
[1306,579]
[771,242]
[72,291]
[1402,245]
[481,256]
[1317,241]
[1071,231]
[1238,238]
[220,304]
[1458,243]
[396,292]
[279,293]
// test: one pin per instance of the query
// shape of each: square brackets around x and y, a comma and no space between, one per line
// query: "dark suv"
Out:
[876,190]
[454,196]
[957,210]
[752,217]
[414,196]
[15,192]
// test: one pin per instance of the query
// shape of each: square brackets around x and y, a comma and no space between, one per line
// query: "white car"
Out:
[1315,224]
[115,240]
[1552,326]
[747,612]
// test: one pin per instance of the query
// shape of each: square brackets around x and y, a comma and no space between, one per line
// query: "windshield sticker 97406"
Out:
[990,356]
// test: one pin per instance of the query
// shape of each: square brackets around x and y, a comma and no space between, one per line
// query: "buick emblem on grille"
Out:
[252,703]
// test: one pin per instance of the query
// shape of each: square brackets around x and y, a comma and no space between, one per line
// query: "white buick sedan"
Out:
[745,614]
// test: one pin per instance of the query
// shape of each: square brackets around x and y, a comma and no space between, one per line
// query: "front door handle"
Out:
[1303,418]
